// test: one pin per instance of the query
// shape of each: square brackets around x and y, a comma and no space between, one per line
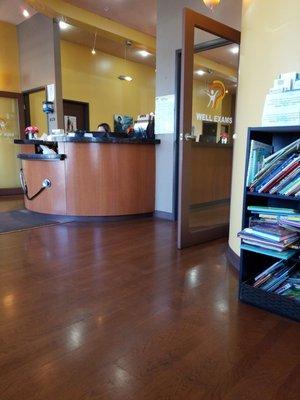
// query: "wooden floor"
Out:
[114,311]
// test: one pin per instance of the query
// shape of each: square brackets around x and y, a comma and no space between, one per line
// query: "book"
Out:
[271,210]
[278,173]
[262,280]
[280,154]
[283,288]
[275,160]
[284,182]
[263,244]
[292,188]
[258,152]
[269,270]
[278,278]
[270,230]
[262,237]
[293,293]
[284,255]
[271,218]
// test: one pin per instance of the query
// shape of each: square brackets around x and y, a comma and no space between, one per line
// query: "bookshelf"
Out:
[252,261]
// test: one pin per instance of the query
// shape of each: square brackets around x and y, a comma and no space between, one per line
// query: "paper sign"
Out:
[282,109]
[165,114]
[51,92]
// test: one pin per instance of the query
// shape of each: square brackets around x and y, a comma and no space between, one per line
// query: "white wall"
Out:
[269,46]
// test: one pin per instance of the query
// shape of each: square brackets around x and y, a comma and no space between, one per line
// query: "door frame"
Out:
[19,97]
[86,110]
[192,20]
[26,94]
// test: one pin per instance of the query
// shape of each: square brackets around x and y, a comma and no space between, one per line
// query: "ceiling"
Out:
[137,14]
[223,55]
[11,11]
[85,38]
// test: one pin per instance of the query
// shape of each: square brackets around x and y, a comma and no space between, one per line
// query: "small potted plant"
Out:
[31,131]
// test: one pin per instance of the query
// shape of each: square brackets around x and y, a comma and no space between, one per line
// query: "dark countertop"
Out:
[67,139]
[33,141]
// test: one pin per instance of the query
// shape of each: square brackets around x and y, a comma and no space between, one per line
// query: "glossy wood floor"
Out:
[114,311]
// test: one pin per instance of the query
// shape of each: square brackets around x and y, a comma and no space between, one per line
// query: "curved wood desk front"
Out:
[95,178]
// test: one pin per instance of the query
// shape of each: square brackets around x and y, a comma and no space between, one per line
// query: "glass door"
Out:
[208,90]
[10,108]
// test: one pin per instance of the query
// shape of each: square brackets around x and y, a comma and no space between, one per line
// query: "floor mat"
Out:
[19,220]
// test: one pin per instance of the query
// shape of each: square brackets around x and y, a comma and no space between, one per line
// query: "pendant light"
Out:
[94,45]
[211,3]
[126,77]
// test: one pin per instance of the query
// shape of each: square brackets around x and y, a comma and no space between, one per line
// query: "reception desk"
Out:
[91,176]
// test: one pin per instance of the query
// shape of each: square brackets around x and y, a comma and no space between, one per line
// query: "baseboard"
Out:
[164,215]
[233,258]
[11,192]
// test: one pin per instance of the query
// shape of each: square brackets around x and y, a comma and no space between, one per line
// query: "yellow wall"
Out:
[9,82]
[94,79]
[270,31]
[9,130]
[9,58]
[37,116]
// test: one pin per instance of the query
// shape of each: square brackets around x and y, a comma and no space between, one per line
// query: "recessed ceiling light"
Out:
[144,53]
[125,78]
[200,72]
[63,25]
[235,50]
[25,13]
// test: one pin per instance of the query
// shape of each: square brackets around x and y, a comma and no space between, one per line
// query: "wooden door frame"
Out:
[26,95]
[192,20]
[19,97]
[86,110]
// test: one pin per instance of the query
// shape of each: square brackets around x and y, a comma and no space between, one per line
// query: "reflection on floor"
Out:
[209,216]
[114,311]
[10,203]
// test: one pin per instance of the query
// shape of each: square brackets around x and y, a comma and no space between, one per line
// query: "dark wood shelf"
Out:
[273,196]
[255,260]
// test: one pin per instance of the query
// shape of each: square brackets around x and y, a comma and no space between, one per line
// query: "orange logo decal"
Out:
[216,93]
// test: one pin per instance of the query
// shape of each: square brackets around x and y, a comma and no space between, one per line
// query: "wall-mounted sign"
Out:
[216,93]
[165,114]
[214,118]
[282,105]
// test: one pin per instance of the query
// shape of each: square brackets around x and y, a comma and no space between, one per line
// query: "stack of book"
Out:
[291,222]
[269,229]
[278,173]
[283,278]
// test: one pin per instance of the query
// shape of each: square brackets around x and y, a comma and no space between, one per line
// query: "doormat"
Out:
[20,220]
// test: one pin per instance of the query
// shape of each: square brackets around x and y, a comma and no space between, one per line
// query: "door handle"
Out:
[190,136]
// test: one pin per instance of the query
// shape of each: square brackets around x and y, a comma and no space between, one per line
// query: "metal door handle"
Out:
[189,136]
